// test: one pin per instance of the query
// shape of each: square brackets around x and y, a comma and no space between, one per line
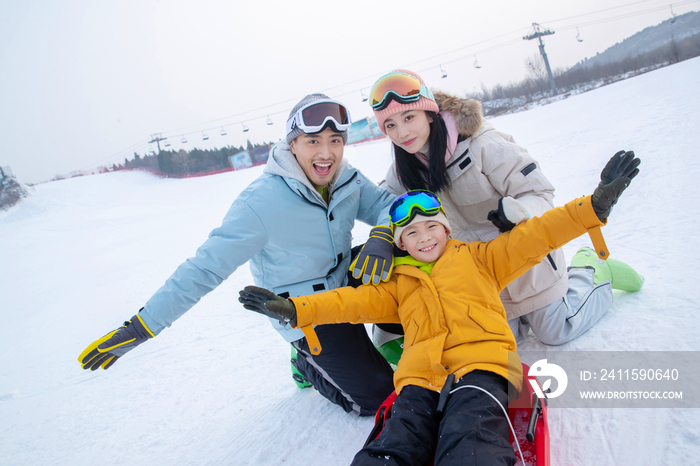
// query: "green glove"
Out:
[105,351]
[376,259]
[614,179]
[268,303]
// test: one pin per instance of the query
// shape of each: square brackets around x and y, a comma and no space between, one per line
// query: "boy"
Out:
[446,296]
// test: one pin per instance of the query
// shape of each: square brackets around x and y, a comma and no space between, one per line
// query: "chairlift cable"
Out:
[365,79]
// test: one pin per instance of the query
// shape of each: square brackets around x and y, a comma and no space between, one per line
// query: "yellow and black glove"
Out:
[105,351]
[376,259]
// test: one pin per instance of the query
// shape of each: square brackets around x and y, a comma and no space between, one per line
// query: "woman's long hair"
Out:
[413,174]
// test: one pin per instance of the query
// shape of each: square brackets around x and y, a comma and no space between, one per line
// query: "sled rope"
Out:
[512,429]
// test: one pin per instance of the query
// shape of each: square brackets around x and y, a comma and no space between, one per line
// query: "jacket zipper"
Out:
[327,209]
[310,201]
[330,195]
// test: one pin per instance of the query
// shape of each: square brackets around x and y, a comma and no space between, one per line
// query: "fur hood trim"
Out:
[468,113]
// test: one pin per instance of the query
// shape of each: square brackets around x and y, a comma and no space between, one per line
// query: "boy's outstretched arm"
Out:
[513,253]
[614,179]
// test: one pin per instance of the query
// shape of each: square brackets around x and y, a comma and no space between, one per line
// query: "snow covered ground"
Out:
[80,256]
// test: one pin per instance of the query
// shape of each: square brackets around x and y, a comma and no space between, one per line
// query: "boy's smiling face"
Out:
[425,241]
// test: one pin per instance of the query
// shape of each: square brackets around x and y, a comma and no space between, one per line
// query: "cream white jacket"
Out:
[486,166]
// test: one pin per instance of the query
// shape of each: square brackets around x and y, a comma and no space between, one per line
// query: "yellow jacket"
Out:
[453,319]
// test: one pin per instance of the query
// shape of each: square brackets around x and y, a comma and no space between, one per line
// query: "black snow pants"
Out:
[350,372]
[472,430]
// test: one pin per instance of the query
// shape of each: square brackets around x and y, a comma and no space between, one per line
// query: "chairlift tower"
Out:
[674,49]
[538,35]
[156,138]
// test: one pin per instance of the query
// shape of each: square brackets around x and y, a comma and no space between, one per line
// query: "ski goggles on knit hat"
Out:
[314,117]
[416,202]
[397,86]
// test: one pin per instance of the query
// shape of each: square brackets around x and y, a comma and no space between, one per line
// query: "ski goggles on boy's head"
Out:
[397,86]
[412,203]
[314,117]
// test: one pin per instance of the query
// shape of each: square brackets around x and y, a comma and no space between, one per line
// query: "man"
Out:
[294,224]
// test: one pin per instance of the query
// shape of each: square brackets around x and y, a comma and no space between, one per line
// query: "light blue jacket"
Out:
[295,242]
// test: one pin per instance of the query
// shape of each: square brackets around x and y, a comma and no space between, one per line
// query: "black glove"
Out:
[268,303]
[510,213]
[105,351]
[614,179]
[376,259]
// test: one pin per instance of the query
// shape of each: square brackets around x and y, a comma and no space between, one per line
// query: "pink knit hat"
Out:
[394,107]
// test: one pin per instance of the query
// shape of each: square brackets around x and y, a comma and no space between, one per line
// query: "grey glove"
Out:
[614,179]
[268,303]
[105,351]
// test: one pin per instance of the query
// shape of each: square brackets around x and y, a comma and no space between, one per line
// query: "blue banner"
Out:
[260,154]
[362,130]
[240,160]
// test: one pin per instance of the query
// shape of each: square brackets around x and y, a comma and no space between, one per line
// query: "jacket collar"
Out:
[468,114]
[414,271]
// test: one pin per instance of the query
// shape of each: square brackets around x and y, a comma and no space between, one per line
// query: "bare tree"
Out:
[536,68]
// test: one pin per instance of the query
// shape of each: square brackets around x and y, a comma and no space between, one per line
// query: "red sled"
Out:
[527,414]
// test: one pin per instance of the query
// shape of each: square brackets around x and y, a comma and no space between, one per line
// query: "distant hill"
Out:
[651,38]
[645,51]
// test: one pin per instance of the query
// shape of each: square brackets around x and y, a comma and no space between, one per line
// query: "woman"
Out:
[488,184]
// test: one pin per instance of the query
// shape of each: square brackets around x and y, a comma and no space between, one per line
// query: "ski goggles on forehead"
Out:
[397,86]
[314,117]
[412,203]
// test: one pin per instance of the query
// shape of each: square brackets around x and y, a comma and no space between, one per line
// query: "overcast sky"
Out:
[87,82]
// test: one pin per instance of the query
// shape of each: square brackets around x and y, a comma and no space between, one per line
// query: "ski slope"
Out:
[80,256]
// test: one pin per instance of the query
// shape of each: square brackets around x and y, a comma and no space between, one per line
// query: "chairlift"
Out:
[476,63]
[673,15]
[444,73]
[578,36]
[245,128]
[223,131]
[167,143]
[364,97]
[204,136]
[269,120]
[184,140]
